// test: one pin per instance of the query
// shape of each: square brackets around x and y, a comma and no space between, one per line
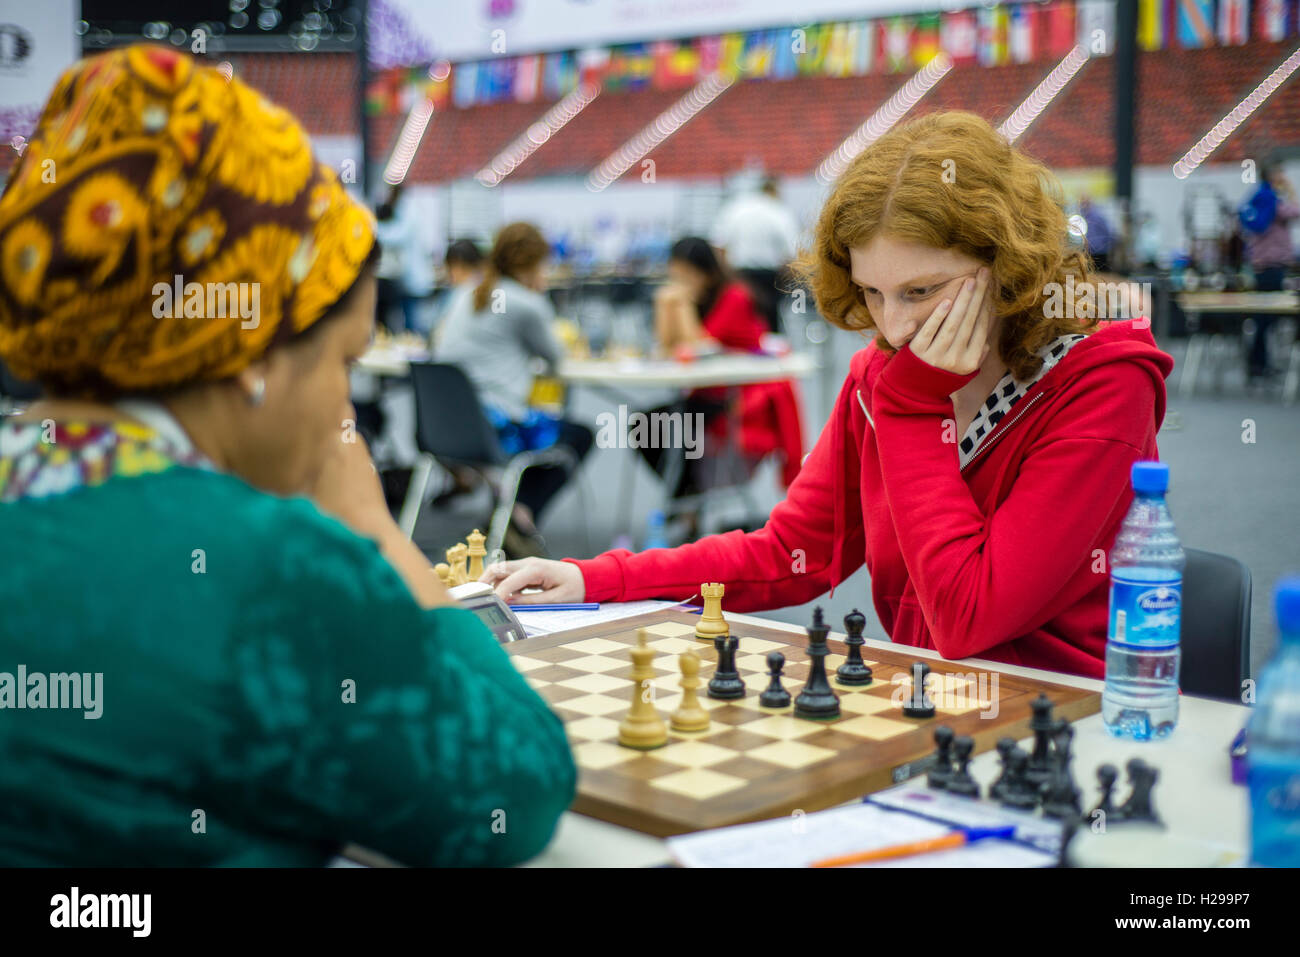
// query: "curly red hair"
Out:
[948,180]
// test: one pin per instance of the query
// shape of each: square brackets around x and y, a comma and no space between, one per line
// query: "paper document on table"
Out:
[1043,833]
[549,622]
[799,840]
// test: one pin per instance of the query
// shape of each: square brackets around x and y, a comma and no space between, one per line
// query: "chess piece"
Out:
[642,729]
[1016,790]
[1040,762]
[941,770]
[854,671]
[690,714]
[1061,794]
[1107,775]
[775,696]
[725,683]
[456,559]
[443,571]
[476,552]
[817,701]
[1138,807]
[1005,747]
[920,703]
[711,624]
[961,782]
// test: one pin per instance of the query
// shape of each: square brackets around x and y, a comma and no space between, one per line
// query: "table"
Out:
[1194,796]
[1196,304]
[392,360]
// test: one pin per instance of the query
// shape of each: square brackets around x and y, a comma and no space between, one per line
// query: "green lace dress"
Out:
[270,691]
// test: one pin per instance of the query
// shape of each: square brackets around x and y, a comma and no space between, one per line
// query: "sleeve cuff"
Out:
[912,378]
[602,577]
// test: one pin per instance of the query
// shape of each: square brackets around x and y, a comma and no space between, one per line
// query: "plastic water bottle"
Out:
[654,536]
[1140,700]
[1273,739]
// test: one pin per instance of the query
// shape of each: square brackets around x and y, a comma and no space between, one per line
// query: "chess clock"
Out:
[479,598]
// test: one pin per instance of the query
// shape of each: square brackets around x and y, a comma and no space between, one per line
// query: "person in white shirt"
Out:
[405,268]
[759,237]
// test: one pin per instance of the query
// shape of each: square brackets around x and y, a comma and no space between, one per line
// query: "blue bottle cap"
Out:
[1150,476]
[1286,603]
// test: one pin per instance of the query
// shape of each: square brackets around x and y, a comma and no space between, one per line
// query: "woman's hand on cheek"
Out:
[348,487]
[955,336]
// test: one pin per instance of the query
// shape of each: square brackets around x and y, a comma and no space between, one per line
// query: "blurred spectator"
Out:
[464,262]
[1266,226]
[494,331]
[1099,237]
[760,237]
[405,268]
[704,305]
[462,271]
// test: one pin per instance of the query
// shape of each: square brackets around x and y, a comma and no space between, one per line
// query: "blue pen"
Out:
[579,606]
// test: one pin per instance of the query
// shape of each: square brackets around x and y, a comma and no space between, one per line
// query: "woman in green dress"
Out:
[216,647]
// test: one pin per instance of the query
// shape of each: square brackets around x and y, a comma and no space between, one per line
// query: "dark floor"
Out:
[1227,495]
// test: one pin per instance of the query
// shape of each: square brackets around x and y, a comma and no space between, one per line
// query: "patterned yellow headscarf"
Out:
[146,166]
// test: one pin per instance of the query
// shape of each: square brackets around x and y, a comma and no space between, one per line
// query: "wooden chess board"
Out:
[754,763]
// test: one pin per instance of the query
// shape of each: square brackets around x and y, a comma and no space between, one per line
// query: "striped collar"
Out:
[1007,393]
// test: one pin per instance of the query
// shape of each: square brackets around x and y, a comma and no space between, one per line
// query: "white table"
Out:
[1194,304]
[1194,795]
[393,361]
[724,369]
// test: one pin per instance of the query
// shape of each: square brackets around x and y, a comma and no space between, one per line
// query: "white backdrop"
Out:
[466,29]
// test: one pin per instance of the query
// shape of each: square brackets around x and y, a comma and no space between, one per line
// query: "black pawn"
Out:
[941,770]
[725,683]
[1040,762]
[1107,775]
[854,671]
[775,696]
[961,781]
[1016,790]
[1138,806]
[1005,747]
[817,700]
[920,704]
[1061,794]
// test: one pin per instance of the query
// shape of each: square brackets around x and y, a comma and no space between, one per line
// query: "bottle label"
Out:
[1145,613]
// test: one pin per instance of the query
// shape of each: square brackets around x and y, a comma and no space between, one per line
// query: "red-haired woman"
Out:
[977,459]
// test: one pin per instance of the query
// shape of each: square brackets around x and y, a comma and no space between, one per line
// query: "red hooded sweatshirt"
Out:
[995,546]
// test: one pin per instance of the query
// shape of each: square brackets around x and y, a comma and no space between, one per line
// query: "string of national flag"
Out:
[987,36]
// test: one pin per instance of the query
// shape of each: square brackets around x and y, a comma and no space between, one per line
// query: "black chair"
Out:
[452,429]
[1216,626]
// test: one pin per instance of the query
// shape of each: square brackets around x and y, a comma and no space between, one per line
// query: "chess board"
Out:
[754,763]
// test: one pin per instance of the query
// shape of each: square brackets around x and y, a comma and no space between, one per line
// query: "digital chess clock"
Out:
[479,598]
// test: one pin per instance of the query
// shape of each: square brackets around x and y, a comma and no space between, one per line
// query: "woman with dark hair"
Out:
[205,541]
[703,307]
[463,262]
[497,334]
[702,301]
